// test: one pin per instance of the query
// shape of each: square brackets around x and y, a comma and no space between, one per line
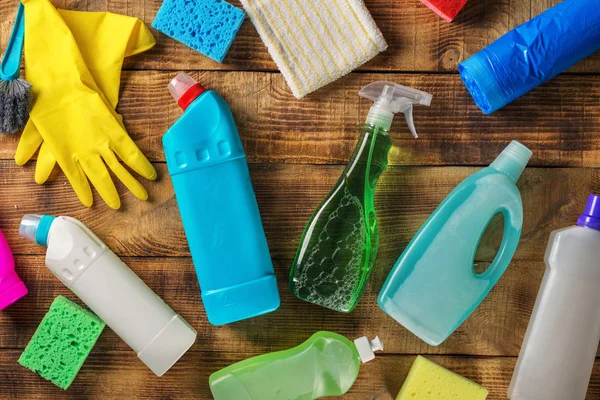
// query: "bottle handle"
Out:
[510,240]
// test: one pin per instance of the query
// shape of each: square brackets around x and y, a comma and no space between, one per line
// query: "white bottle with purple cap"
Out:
[113,291]
[559,350]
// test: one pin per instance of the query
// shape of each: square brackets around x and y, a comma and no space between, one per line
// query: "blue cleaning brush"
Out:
[15,93]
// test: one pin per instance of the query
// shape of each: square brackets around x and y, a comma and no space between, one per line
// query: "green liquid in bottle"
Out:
[340,242]
[327,364]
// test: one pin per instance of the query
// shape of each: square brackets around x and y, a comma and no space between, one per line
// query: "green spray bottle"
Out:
[327,364]
[340,241]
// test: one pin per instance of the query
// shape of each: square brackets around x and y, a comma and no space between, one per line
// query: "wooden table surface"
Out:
[296,150]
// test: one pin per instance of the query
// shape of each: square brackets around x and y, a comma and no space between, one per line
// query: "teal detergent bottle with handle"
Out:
[218,207]
[327,364]
[433,287]
[340,242]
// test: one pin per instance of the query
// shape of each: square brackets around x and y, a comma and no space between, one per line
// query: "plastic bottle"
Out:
[327,364]
[559,350]
[339,244]
[111,290]
[433,287]
[12,287]
[218,207]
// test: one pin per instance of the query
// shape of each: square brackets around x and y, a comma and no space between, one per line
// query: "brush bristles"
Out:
[15,101]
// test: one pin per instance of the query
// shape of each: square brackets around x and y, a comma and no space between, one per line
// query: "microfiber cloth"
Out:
[207,26]
[532,53]
[447,9]
[315,42]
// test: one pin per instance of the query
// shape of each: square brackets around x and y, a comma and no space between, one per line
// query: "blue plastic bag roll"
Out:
[532,53]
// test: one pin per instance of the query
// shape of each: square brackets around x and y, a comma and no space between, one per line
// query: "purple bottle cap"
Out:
[591,216]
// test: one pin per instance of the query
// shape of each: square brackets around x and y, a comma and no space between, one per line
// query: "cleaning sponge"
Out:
[447,9]
[207,26]
[62,342]
[429,381]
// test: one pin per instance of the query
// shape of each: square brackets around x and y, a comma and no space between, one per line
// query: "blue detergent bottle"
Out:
[433,287]
[208,167]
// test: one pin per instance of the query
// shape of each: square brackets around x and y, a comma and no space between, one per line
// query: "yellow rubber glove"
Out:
[104,40]
[85,52]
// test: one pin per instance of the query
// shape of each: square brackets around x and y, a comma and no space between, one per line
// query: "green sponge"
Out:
[62,342]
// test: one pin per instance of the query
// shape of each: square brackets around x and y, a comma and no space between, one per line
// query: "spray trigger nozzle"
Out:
[391,98]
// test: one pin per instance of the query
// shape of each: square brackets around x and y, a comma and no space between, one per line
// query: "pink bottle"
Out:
[12,287]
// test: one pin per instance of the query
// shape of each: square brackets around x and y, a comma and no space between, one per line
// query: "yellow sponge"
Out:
[429,381]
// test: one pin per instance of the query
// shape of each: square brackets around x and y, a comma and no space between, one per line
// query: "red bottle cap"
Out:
[185,89]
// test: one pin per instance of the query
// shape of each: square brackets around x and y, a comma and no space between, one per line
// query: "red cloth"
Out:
[447,9]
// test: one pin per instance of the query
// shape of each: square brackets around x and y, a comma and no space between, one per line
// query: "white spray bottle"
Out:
[111,290]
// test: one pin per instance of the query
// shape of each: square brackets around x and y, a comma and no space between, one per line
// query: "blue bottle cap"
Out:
[591,216]
[513,160]
[36,228]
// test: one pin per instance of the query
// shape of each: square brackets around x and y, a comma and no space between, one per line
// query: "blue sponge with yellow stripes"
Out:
[207,26]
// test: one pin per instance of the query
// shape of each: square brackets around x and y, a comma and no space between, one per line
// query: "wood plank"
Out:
[287,196]
[118,375]
[496,328]
[418,39]
[558,121]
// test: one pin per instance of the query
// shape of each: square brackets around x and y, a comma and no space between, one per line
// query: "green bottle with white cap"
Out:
[339,244]
[327,364]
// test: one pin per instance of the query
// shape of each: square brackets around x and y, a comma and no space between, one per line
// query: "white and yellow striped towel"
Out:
[315,42]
